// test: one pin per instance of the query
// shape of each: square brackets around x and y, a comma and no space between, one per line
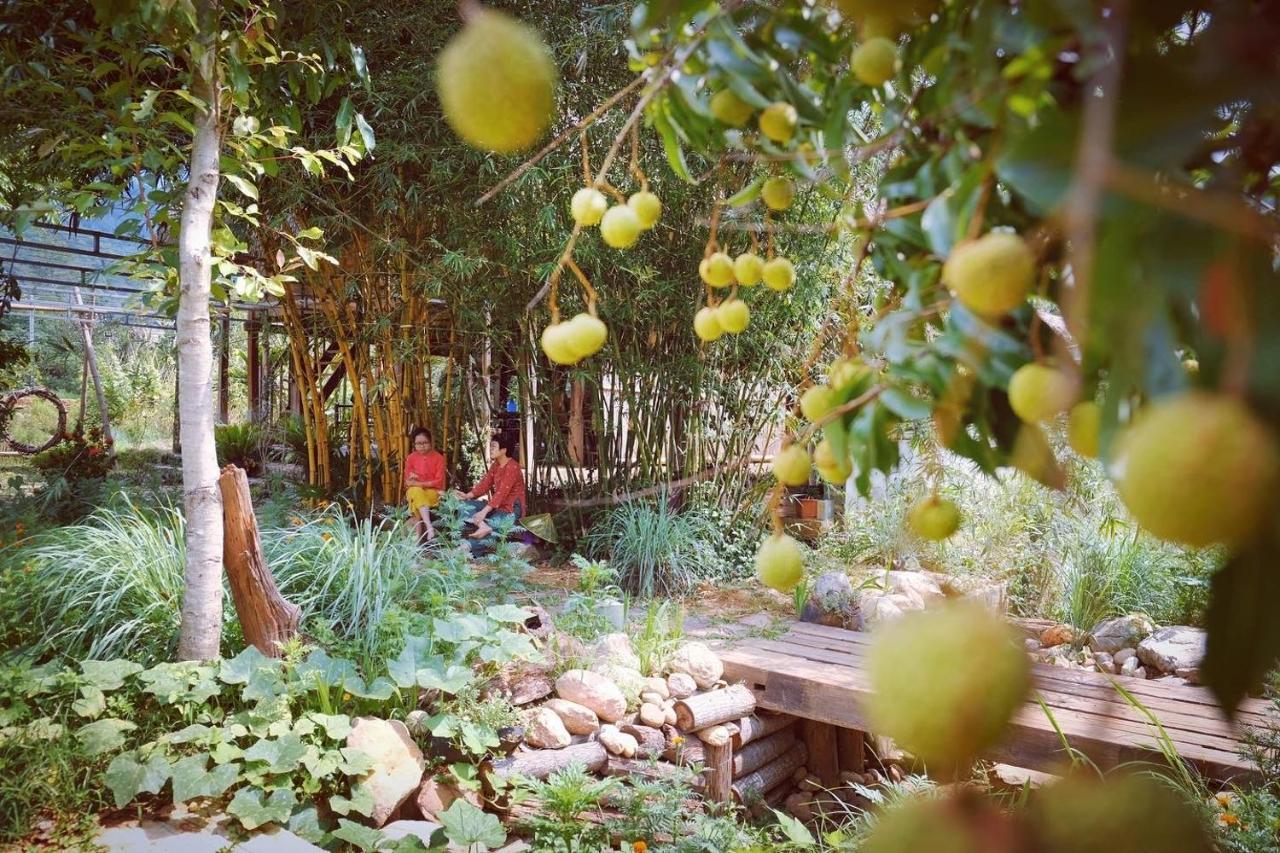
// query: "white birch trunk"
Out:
[202,599]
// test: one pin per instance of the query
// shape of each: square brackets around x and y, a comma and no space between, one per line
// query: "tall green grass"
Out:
[108,587]
[652,546]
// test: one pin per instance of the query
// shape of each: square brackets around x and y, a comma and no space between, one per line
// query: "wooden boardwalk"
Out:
[816,673]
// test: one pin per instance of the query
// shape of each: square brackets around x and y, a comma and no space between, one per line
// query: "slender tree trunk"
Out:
[202,599]
[91,361]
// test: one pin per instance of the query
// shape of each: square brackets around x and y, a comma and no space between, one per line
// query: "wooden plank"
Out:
[1110,704]
[856,642]
[851,746]
[820,743]
[718,775]
[834,695]
[1185,700]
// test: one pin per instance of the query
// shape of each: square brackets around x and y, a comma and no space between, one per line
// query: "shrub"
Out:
[240,444]
[110,587]
[652,546]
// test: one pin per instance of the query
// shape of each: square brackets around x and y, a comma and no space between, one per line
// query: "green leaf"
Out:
[108,674]
[1244,635]
[466,825]
[360,64]
[240,668]
[103,735]
[366,133]
[355,762]
[126,778]
[361,801]
[747,194]
[193,733]
[192,780]
[244,186]
[253,811]
[282,755]
[342,122]
[904,405]
[508,613]
[795,831]
[336,726]
[319,667]
[92,702]
[305,823]
[670,142]
[363,837]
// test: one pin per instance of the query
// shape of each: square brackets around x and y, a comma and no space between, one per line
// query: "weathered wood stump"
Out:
[267,619]
[759,753]
[759,727]
[771,775]
[719,706]
[541,763]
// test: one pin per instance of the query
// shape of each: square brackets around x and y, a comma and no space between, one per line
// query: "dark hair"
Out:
[509,442]
[413,436]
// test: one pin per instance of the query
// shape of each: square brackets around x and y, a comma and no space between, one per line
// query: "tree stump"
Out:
[719,706]
[541,763]
[266,618]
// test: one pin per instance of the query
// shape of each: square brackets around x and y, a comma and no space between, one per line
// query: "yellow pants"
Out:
[420,497]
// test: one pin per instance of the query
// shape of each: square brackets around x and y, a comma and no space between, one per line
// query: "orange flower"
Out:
[639,847]
[677,740]
[1228,819]
[328,537]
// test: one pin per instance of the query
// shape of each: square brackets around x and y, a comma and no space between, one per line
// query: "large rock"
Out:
[832,602]
[876,608]
[651,715]
[530,687]
[699,662]
[1056,635]
[681,685]
[397,763]
[617,742]
[435,796]
[1112,635]
[658,685]
[992,594]
[615,649]
[593,691]
[919,587]
[629,680]
[578,719]
[544,729]
[1177,650]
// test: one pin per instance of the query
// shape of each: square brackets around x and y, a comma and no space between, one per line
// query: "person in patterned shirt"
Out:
[505,480]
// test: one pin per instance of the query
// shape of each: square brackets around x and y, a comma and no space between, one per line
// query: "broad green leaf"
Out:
[361,801]
[91,703]
[508,613]
[239,669]
[466,825]
[362,837]
[360,64]
[795,831]
[244,186]
[904,405]
[747,194]
[249,806]
[355,762]
[366,133]
[189,777]
[450,681]
[305,823]
[108,674]
[282,755]
[103,735]
[320,667]
[381,689]
[126,778]
[342,122]
[336,726]
[670,142]
[1244,635]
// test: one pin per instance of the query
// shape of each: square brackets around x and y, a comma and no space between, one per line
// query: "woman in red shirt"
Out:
[423,482]
[505,480]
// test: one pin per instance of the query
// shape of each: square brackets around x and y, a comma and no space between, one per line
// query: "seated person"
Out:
[424,478]
[505,480]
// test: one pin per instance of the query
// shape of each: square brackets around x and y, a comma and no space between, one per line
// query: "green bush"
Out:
[240,444]
[652,547]
[109,587]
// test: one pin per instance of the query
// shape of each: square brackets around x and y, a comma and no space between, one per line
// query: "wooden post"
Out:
[253,373]
[718,776]
[267,619]
[824,760]
[91,359]
[851,746]
[224,368]
[718,706]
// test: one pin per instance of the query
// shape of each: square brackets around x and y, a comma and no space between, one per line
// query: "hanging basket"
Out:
[9,402]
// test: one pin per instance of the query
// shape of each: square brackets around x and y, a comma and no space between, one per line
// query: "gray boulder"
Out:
[1177,650]
[1112,635]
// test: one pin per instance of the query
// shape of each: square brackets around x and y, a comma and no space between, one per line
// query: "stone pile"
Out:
[1125,645]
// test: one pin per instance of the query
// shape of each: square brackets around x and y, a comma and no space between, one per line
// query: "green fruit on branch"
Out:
[778,121]
[588,206]
[847,373]
[748,269]
[729,109]
[778,193]
[791,466]
[778,274]
[706,324]
[934,518]
[1083,426]
[647,206]
[945,682]
[620,227]
[733,315]
[717,269]
[991,275]
[585,335]
[875,61]
[834,471]
[497,83]
[816,402]
[1039,393]
[780,563]
[556,344]
[1199,468]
